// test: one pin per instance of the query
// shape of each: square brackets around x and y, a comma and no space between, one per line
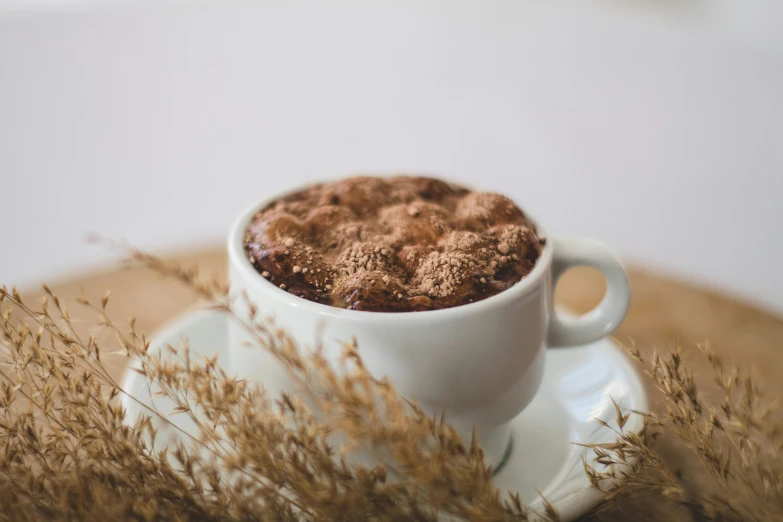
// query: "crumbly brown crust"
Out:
[396,244]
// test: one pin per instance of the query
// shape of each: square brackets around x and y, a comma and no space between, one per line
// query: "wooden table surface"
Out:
[663,313]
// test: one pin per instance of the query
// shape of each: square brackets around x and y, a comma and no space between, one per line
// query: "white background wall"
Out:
[655,126]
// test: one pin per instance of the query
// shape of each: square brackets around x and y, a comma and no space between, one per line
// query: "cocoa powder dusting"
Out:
[392,244]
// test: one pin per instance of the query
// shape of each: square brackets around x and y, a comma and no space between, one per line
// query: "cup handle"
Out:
[606,317]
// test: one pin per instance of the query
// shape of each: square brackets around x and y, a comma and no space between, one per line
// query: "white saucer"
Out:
[579,385]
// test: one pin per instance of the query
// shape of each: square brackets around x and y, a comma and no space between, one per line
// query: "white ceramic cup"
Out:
[481,363]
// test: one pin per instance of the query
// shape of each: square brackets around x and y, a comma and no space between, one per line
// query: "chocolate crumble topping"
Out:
[394,244]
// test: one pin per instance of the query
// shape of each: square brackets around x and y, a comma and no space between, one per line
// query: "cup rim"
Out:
[238,260]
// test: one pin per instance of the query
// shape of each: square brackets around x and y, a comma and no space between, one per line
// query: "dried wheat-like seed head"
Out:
[69,453]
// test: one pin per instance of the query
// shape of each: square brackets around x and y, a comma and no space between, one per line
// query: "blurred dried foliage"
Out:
[738,442]
[69,453]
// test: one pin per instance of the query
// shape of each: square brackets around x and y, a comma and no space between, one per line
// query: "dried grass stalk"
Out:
[69,453]
[737,440]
